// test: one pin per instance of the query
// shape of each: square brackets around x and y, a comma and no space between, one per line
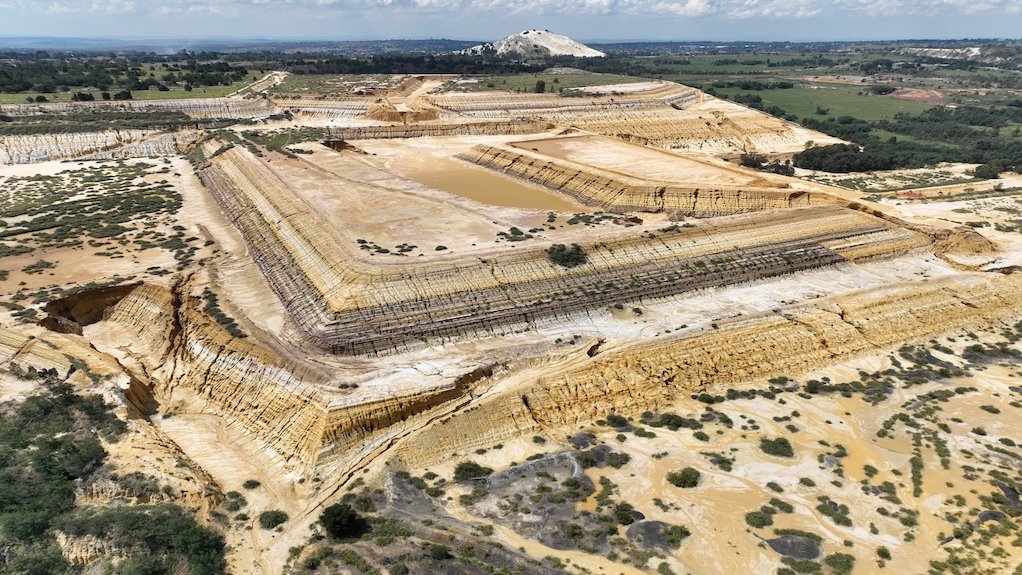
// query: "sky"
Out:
[606,20]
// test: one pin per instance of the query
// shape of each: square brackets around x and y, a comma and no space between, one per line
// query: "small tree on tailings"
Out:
[341,521]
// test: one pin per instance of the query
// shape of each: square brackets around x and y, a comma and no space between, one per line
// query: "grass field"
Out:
[804,99]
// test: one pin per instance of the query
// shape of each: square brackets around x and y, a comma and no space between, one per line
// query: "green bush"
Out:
[674,535]
[565,256]
[841,563]
[623,513]
[272,518]
[470,470]
[341,521]
[779,447]
[156,534]
[758,519]
[687,477]
[439,552]
[617,460]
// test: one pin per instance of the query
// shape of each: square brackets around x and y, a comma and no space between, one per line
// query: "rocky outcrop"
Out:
[292,416]
[182,350]
[160,145]
[653,374]
[84,549]
[347,307]
[72,359]
[31,148]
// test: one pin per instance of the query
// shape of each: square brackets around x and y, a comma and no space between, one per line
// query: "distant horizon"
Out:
[598,21]
[98,39]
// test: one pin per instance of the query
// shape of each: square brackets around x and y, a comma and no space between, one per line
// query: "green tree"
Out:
[341,521]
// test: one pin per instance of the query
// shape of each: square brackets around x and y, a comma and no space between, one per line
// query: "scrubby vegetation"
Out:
[687,477]
[53,440]
[272,518]
[567,257]
[341,521]
[779,447]
[213,309]
[470,470]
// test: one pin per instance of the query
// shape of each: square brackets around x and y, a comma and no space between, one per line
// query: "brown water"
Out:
[481,185]
[553,147]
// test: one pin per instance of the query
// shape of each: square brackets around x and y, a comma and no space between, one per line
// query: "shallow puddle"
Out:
[482,186]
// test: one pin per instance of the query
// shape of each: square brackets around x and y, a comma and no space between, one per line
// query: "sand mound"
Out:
[964,246]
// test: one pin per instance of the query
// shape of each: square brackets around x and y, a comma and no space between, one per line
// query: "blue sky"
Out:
[795,20]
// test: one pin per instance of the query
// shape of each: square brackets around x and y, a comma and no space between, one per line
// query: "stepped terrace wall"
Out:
[346,306]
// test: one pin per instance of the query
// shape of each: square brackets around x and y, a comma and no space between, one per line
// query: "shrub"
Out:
[439,552]
[615,420]
[779,447]
[251,484]
[752,160]
[687,477]
[623,513]
[781,505]
[617,460]
[758,519]
[674,535]
[565,256]
[272,518]
[163,533]
[341,521]
[470,470]
[841,563]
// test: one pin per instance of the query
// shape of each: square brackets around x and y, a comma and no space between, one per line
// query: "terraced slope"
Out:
[347,307]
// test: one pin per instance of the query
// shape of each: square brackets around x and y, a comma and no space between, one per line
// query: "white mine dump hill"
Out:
[537,43]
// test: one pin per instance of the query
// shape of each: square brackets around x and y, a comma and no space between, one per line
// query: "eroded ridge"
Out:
[348,307]
[668,116]
[652,374]
[200,108]
[290,412]
[496,128]
[612,192]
